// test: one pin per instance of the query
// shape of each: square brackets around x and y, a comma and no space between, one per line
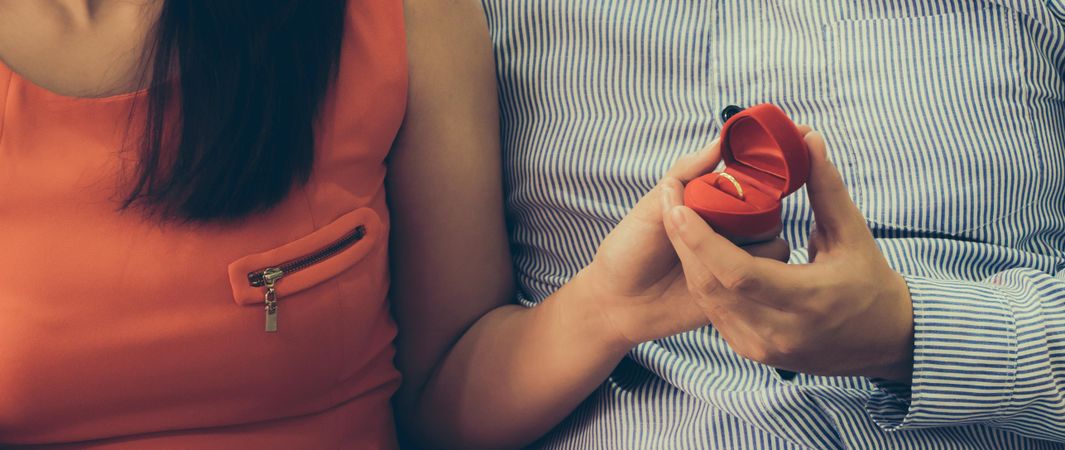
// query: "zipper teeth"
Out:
[255,278]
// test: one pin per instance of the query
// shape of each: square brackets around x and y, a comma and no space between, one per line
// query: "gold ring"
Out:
[735,184]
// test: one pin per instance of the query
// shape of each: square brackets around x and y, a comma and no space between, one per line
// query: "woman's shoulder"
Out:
[446,41]
[461,22]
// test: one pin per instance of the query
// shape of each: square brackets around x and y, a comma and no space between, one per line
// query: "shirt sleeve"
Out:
[989,352]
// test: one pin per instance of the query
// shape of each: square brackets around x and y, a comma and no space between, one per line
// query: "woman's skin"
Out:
[77,48]
[478,370]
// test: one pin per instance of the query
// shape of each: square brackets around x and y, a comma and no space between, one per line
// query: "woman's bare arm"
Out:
[517,372]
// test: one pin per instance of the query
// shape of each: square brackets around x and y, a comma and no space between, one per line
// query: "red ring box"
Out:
[766,155]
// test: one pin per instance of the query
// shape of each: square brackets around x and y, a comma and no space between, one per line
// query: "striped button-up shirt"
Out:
[947,120]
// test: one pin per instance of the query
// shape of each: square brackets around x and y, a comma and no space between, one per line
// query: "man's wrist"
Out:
[899,345]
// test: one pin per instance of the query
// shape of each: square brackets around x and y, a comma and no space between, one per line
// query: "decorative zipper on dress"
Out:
[269,276]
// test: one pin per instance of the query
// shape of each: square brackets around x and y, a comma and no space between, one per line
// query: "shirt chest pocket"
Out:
[933,119]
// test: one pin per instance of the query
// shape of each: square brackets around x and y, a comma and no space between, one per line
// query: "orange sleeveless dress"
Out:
[117,333]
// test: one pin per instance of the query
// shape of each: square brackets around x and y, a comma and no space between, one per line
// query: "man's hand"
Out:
[844,313]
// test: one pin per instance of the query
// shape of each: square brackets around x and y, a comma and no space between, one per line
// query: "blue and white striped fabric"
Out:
[947,119]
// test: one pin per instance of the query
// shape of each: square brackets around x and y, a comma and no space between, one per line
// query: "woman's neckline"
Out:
[71,98]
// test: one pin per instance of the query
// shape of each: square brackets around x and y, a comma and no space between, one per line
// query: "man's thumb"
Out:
[834,210]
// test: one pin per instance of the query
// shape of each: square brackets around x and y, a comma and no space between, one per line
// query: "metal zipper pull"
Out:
[270,276]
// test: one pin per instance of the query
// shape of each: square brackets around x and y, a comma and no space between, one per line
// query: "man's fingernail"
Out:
[667,194]
[815,135]
[677,216]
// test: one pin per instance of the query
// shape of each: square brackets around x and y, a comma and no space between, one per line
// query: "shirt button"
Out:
[729,111]
[786,375]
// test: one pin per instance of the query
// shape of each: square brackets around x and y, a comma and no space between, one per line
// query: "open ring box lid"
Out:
[767,156]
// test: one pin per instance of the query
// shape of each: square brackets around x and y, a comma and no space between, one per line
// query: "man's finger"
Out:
[833,208]
[767,281]
[685,169]
[725,308]
[690,167]
[777,249]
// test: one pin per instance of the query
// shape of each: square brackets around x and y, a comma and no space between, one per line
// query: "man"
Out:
[947,122]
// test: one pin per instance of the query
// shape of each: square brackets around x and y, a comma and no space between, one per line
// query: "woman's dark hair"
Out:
[231,118]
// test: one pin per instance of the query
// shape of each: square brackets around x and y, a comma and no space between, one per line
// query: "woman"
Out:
[194,224]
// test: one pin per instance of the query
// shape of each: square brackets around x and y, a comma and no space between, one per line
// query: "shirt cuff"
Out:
[964,358]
